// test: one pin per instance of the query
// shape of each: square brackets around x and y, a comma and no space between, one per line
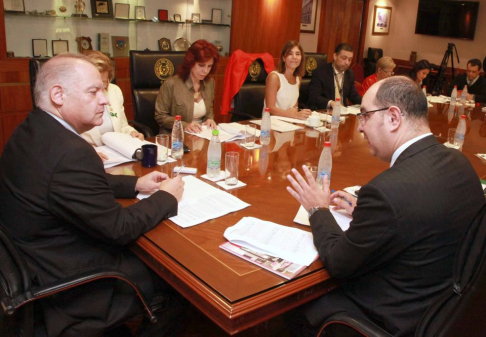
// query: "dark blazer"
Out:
[478,88]
[59,206]
[397,256]
[321,88]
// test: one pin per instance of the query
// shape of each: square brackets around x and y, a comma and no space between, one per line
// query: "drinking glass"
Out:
[163,147]
[231,166]
[451,136]
[250,135]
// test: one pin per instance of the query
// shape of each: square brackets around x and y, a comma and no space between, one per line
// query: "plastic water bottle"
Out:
[424,89]
[454,95]
[325,164]
[177,138]
[460,132]
[464,95]
[214,156]
[336,113]
[265,127]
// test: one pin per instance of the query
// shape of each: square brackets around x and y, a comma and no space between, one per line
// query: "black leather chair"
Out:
[312,62]
[36,63]
[17,294]
[248,101]
[460,309]
[374,54]
[148,70]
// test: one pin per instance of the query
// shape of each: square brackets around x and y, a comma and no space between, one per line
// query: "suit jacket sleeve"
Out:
[481,95]
[353,95]
[368,244]
[318,98]
[82,195]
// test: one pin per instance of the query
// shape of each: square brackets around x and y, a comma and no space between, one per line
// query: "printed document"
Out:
[201,202]
[266,237]
[279,125]
[224,136]
[342,217]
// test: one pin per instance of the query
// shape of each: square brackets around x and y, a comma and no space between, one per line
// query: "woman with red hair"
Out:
[190,93]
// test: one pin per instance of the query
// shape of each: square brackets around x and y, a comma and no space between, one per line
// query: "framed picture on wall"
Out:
[59,47]
[217,16]
[196,18]
[308,18]
[39,47]
[381,20]
[122,11]
[101,9]
[140,12]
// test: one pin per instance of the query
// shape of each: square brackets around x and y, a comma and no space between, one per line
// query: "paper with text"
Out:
[342,217]
[207,133]
[114,157]
[266,237]
[278,125]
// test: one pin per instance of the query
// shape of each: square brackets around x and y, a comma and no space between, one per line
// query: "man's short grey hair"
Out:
[403,93]
[58,70]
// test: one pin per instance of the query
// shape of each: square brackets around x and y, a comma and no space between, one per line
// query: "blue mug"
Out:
[147,154]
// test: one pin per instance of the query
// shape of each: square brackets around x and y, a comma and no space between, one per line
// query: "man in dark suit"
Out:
[334,80]
[475,83]
[59,205]
[396,257]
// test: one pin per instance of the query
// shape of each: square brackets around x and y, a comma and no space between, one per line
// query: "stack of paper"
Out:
[342,218]
[279,125]
[236,129]
[224,135]
[266,237]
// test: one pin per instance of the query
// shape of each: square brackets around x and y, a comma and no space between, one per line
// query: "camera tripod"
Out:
[439,84]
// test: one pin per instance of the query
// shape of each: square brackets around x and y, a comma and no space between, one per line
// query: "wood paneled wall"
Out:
[259,26]
[341,21]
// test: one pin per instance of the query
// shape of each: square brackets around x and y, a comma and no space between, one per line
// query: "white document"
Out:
[114,157]
[278,125]
[266,237]
[236,129]
[328,118]
[353,109]
[439,99]
[201,202]
[207,133]
[123,143]
[342,217]
[290,120]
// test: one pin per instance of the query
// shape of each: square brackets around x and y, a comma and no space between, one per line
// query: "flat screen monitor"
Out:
[447,18]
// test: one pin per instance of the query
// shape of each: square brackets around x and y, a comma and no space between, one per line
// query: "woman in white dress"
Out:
[282,86]
[114,119]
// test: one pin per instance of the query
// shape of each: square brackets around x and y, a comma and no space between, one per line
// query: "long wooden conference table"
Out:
[236,294]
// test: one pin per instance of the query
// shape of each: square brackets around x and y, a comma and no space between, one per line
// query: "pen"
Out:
[343,198]
[180,168]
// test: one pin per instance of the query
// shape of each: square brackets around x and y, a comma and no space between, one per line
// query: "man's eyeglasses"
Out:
[361,115]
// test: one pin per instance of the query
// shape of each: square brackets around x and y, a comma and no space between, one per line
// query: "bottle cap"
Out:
[178,117]
[338,99]
[425,86]
[328,144]
[267,109]
[455,86]
[215,132]
[463,116]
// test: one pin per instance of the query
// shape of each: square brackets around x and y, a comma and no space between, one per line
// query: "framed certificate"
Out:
[122,11]
[39,47]
[59,47]
[102,9]
[14,5]
[140,12]
[217,16]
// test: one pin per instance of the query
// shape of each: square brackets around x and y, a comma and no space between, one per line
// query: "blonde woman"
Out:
[384,69]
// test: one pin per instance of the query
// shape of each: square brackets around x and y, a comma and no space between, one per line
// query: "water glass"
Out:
[250,135]
[451,136]
[231,165]
[162,142]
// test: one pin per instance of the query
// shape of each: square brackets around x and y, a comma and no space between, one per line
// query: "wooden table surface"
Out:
[234,293]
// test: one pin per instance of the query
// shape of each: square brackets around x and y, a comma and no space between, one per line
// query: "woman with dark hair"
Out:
[420,71]
[190,93]
[282,86]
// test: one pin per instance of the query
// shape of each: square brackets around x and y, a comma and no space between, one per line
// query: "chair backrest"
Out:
[374,54]
[34,66]
[148,70]
[358,87]
[358,72]
[460,310]
[248,101]
[312,62]
[14,283]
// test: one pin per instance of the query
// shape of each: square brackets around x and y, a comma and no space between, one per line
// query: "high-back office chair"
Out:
[358,72]
[374,54]
[248,102]
[312,62]
[34,66]
[17,294]
[458,312]
[148,70]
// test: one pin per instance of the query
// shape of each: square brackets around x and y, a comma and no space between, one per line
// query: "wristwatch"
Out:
[312,210]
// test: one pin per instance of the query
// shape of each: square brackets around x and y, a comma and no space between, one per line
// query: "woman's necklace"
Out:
[196,94]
